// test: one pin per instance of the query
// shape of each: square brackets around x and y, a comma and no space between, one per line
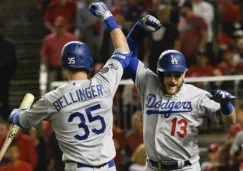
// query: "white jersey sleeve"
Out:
[34,116]
[109,77]
[209,107]
[144,77]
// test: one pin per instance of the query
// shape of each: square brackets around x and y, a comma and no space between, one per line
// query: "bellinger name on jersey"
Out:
[78,95]
[166,106]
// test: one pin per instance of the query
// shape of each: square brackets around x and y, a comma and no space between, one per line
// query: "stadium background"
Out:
[28,23]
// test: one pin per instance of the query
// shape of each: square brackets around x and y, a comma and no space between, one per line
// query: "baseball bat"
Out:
[26,103]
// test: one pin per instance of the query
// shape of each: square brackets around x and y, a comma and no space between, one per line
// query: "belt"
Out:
[170,165]
[110,164]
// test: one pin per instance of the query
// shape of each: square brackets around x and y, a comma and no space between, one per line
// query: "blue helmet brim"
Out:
[173,69]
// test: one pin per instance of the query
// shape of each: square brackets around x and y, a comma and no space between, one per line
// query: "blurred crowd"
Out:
[227,156]
[208,32]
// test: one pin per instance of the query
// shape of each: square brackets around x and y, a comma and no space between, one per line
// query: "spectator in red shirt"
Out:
[193,33]
[135,137]
[212,155]
[224,40]
[234,129]
[230,15]
[118,138]
[238,126]
[25,144]
[202,68]
[51,50]
[229,11]
[27,149]
[15,163]
[65,8]
[227,66]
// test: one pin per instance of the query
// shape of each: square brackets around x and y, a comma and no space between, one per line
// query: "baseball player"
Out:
[172,109]
[80,111]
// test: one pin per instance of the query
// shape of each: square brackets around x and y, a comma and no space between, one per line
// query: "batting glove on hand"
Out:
[150,23]
[100,10]
[146,24]
[14,116]
[222,97]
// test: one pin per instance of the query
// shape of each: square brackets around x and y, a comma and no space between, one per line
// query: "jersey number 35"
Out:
[91,118]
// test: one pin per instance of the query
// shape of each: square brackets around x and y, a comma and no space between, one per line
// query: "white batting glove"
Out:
[100,10]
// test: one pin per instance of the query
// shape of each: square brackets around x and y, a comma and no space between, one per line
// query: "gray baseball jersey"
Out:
[171,122]
[80,113]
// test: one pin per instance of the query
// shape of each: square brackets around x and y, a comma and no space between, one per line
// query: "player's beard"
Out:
[165,87]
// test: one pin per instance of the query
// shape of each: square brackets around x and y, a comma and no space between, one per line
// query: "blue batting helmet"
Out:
[76,55]
[171,61]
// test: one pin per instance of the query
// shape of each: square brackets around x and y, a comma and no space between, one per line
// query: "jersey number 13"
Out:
[179,127]
[91,118]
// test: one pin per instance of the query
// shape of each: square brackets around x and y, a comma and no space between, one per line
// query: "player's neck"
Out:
[78,76]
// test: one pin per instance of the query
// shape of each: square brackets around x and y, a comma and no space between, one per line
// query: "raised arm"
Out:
[122,50]
[139,30]
[109,77]
[135,36]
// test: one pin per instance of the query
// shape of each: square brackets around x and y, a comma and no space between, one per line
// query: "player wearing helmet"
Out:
[171,76]
[76,55]
[80,111]
[172,109]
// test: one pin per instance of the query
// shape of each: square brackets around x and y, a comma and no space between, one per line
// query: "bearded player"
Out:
[80,111]
[172,109]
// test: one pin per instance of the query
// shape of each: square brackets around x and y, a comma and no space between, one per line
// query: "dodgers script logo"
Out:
[166,107]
